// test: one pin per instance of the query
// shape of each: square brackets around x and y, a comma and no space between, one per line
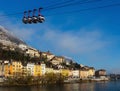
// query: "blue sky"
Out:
[90,37]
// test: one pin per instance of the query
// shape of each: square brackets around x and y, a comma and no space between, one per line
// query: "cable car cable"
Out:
[87,9]
[18,13]
[69,4]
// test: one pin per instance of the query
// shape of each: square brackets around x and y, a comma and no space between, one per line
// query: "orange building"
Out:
[7,69]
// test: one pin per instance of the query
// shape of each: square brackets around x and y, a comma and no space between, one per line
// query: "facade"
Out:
[57,60]
[30,68]
[49,70]
[43,69]
[48,55]
[16,68]
[91,71]
[25,72]
[75,74]
[65,72]
[6,69]
[37,70]
[32,52]
[84,73]
[100,72]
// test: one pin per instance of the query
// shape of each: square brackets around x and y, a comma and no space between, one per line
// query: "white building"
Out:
[43,68]
[75,73]
[30,68]
[57,60]
[48,54]
[32,52]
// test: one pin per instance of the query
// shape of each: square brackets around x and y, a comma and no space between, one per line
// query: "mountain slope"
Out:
[6,36]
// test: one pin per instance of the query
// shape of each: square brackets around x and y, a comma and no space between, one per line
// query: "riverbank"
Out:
[46,80]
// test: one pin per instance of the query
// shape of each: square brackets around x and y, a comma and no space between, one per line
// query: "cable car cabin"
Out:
[29,19]
[34,18]
[41,18]
[25,18]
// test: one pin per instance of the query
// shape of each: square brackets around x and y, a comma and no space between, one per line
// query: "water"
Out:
[93,86]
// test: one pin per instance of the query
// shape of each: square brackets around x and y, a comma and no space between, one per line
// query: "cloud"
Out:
[23,33]
[16,28]
[75,42]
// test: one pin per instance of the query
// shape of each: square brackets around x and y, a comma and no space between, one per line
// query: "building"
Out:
[16,68]
[32,52]
[57,60]
[25,72]
[91,72]
[100,72]
[43,69]
[30,68]
[84,73]
[48,55]
[49,70]
[6,69]
[65,72]
[75,73]
[37,70]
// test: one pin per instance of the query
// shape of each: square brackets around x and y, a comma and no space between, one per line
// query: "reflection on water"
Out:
[93,86]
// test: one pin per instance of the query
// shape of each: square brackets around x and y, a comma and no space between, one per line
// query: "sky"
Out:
[89,36]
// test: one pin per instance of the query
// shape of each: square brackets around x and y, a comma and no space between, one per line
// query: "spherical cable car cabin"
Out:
[25,18]
[41,18]
[29,17]
[34,18]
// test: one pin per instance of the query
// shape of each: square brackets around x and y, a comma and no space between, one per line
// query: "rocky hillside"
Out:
[7,37]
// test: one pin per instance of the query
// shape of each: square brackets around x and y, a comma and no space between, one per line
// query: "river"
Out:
[93,86]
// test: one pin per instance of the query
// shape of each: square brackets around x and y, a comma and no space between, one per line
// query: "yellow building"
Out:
[16,69]
[65,72]
[10,70]
[84,73]
[91,72]
[37,70]
[7,69]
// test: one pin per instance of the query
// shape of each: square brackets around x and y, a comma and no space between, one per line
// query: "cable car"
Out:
[41,18]
[25,18]
[29,19]
[34,18]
